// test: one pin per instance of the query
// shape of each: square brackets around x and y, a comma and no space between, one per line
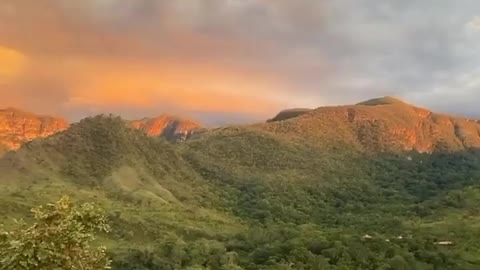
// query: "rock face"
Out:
[168,126]
[18,127]
[383,124]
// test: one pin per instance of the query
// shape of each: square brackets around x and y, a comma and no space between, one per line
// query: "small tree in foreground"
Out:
[59,239]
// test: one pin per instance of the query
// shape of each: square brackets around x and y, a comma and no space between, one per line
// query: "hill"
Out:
[303,193]
[18,127]
[168,126]
[384,124]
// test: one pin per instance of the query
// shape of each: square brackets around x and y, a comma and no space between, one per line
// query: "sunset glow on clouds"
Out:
[235,58]
[13,63]
[110,83]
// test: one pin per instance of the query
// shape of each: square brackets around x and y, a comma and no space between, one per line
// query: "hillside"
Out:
[18,127]
[148,189]
[168,126]
[334,188]
[384,124]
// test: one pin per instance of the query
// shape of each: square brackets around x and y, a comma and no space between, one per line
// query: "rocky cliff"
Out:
[18,127]
[168,126]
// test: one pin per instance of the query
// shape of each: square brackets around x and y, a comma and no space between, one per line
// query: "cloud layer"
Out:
[236,59]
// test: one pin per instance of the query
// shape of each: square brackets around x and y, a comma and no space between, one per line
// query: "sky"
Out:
[228,61]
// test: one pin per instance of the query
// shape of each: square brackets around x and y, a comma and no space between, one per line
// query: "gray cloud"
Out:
[406,48]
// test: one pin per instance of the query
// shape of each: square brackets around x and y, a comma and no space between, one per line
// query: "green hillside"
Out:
[292,194]
[148,189]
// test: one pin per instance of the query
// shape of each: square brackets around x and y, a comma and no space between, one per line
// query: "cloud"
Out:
[236,57]
[474,24]
[13,64]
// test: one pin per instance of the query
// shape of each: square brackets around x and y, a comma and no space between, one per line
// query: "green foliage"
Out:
[60,238]
[254,198]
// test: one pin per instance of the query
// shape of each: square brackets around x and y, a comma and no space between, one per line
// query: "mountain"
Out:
[18,127]
[384,124]
[333,188]
[168,126]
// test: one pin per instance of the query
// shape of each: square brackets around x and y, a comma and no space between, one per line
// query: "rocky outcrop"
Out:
[168,126]
[18,127]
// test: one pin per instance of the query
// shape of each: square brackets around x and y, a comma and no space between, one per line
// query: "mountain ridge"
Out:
[380,124]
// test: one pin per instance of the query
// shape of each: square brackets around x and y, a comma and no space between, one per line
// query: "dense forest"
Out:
[245,198]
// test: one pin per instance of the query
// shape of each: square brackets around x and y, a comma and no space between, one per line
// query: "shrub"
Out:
[59,238]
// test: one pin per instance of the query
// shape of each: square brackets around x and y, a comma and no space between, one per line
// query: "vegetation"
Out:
[59,239]
[256,198]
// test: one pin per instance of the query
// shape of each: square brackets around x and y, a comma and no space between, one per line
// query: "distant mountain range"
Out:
[381,124]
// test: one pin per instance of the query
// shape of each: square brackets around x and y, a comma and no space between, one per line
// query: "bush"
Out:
[59,239]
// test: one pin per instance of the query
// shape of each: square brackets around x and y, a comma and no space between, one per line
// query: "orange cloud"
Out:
[108,82]
[12,63]
[88,58]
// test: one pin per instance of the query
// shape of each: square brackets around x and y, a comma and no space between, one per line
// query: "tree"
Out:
[59,239]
